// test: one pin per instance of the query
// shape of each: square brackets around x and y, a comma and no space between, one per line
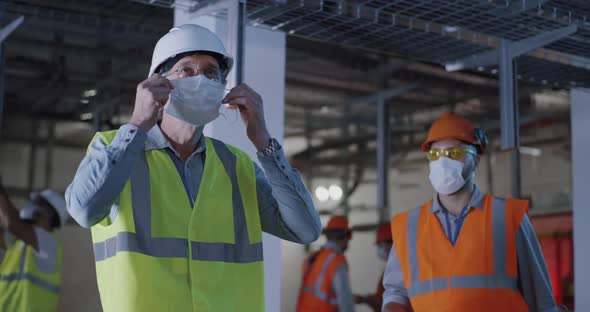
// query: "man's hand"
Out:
[11,222]
[150,96]
[358,299]
[249,103]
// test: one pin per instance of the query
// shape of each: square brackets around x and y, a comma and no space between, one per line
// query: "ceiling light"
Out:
[531,151]
[450,29]
[335,192]
[322,193]
[89,93]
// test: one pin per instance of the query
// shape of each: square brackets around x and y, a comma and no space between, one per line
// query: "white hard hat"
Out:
[58,202]
[188,38]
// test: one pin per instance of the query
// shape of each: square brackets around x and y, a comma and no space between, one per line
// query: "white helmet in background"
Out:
[58,202]
[188,38]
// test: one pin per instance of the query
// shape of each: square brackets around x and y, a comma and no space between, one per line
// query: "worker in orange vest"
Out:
[326,285]
[464,250]
[384,244]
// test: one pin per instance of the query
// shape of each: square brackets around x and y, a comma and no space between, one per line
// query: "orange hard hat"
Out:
[384,233]
[338,223]
[453,126]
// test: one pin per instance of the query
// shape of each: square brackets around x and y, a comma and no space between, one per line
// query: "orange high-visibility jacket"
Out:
[479,273]
[316,294]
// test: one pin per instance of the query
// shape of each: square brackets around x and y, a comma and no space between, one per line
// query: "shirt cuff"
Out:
[129,137]
[395,299]
[276,164]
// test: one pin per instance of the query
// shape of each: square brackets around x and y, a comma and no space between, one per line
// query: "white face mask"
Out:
[382,253]
[195,100]
[446,175]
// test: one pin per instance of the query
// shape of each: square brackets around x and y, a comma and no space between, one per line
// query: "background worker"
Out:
[384,243]
[464,250]
[30,271]
[326,284]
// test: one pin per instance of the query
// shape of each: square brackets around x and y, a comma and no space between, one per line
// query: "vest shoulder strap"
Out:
[521,205]
[518,208]
[106,136]
[308,263]
[236,151]
[399,221]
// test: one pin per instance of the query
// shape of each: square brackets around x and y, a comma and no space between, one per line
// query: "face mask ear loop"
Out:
[235,119]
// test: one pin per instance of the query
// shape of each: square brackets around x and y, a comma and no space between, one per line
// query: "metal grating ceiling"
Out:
[436,31]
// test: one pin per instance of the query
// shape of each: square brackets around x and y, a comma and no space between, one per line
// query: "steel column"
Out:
[236,12]
[33,155]
[382,158]
[509,123]
[49,152]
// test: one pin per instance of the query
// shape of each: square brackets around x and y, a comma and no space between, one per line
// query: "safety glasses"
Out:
[455,153]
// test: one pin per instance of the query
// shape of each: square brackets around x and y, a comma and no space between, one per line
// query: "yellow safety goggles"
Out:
[455,153]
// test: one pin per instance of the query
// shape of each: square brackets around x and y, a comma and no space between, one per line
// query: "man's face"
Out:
[470,161]
[193,65]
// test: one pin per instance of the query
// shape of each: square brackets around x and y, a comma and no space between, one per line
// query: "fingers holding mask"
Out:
[243,98]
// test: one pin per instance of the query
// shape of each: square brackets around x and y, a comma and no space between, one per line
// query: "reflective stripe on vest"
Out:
[317,288]
[22,275]
[499,280]
[142,241]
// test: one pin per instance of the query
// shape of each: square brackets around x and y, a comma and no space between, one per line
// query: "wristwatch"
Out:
[272,147]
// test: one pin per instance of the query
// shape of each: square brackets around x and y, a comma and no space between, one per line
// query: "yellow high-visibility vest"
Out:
[29,283]
[160,254]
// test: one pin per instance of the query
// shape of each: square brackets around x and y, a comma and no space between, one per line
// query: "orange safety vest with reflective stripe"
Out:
[479,273]
[316,292]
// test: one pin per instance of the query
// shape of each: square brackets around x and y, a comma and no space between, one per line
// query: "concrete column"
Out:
[580,114]
[264,71]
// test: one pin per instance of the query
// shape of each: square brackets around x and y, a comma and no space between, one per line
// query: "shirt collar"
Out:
[476,201]
[157,140]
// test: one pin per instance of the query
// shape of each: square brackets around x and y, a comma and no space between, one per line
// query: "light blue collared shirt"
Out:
[533,278]
[286,208]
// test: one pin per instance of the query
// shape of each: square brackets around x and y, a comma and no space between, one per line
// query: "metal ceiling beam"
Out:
[84,24]
[82,51]
[8,29]
[342,84]
[4,33]
[368,156]
[491,126]
[383,95]
[515,49]
[516,7]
